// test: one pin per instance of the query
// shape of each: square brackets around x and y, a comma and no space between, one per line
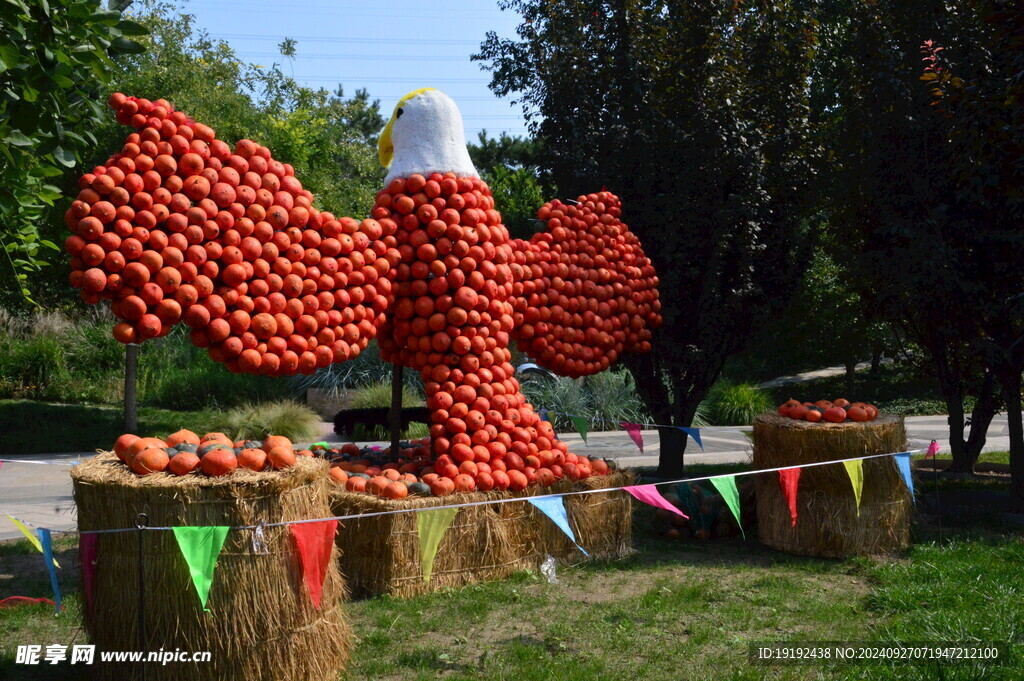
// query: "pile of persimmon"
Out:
[213,454]
[178,226]
[584,292]
[413,473]
[837,411]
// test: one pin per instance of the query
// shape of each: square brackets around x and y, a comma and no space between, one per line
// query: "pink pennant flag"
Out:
[87,554]
[314,542]
[933,449]
[634,433]
[788,478]
[650,495]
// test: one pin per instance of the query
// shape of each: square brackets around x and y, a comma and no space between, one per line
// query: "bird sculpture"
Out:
[180,227]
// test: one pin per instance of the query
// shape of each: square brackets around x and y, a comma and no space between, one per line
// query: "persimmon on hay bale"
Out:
[262,623]
[381,554]
[827,521]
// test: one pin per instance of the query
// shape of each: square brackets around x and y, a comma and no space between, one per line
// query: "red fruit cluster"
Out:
[450,321]
[180,227]
[584,292]
[833,412]
[412,472]
[213,454]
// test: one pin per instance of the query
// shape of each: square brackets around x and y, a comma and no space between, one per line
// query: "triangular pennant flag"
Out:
[431,526]
[903,463]
[314,542]
[200,546]
[788,478]
[650,495]
[855,469]
[695,434]
[634,433]
[47,546]
[33,539]
[582,426]
[933,449]
[553,508]
[87,555]
[726,486]
[545,415]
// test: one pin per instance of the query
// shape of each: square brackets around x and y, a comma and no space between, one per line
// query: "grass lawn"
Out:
[676,610]
[31,427]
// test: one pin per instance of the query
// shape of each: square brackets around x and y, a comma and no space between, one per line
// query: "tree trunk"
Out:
[851,374]
[952,393]
[131,364]
[673,447]
[395,413]
[1011,383]
[876,362]
[981,418]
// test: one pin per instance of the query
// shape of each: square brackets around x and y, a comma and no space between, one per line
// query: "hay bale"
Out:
[602,523]
[827,522]
[381,554]
[261,624]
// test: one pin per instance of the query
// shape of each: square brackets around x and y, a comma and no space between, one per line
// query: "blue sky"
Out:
[390,48]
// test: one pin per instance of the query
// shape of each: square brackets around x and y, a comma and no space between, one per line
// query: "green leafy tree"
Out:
[54,59]
[930,247]
[329,138]
[697,115]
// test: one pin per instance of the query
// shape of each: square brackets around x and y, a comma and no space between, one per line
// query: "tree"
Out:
[54,60]
[697,115]
[329,138]
[979,110]
[924,253]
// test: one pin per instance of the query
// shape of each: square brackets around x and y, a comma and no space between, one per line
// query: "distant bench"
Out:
[345,421]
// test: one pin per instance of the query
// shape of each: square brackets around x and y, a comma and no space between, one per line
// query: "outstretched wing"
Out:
[584,291]
[178,226]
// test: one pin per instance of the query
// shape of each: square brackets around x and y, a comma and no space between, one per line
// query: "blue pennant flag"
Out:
[903,462]
[545,415]
[695,434]
[553,508]
[47,546]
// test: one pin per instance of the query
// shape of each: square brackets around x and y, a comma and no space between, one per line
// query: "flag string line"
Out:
[43,463]
[490,501]
[735,429]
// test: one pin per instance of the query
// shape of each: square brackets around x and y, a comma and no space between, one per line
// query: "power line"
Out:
[359,57]
[315,39]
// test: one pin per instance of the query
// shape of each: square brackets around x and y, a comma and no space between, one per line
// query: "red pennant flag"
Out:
[634,433]
[314,542]
[87,554]
[788,478]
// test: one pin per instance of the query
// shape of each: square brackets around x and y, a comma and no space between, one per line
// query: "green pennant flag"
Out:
[855,469]
[431,526]
[726,486]
[200,546]
[581,426]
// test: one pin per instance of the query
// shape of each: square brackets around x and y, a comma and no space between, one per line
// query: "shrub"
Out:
[736,404]
[293,420]
[378,395]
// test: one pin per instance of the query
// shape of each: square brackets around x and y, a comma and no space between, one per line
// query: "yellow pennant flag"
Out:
[855,469]
[431,526]
[33,539]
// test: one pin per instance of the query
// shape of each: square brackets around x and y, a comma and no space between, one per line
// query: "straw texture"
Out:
[261,623]
[381,554]
[828,523]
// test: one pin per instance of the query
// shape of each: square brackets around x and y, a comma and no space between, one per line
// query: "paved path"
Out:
[817,373]
[41,494]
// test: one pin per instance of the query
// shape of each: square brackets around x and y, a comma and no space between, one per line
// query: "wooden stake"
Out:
[395,414]
[131,362]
